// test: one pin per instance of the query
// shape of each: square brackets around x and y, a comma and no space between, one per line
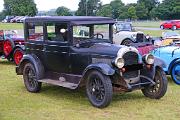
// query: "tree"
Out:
[149,5]
[88,7]
[105,11]
[116,6]
[63,11]
[20,7]
[169,9]
[141,11]
[132,13]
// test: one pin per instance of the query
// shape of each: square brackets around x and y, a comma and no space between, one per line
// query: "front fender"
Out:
[32,59]
[172,63]
[102,67]
[158,63]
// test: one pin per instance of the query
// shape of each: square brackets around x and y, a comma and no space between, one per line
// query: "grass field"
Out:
[151,24]
[56,103]
[11,26]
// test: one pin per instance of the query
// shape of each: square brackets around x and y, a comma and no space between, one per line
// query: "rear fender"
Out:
[30,58]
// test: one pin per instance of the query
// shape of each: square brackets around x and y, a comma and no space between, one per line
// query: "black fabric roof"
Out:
[73,19]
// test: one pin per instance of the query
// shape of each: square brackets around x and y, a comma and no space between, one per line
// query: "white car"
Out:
[170,35]
[124,34]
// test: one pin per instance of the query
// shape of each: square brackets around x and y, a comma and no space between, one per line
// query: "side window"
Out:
[57,32]
[35,31]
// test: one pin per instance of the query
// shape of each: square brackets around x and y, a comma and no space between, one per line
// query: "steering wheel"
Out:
[98,34]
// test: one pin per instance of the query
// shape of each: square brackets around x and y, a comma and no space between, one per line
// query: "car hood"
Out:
[167,49]
[128,32]
[110,49]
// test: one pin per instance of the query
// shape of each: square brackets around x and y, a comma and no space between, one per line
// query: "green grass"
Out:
[56,103]
[151,24]
[11,26]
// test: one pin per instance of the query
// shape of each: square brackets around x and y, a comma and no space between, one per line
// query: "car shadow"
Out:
[78,96]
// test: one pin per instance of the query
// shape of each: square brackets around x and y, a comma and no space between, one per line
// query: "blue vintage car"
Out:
[171,56]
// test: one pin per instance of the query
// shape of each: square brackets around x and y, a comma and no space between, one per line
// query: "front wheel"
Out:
[99,89]
[159,89]
[162,27]
[175,73]
[30,78]
[126,42]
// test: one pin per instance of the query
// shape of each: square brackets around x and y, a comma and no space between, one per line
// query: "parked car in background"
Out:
[171,24]
[7,19]
[57,54]
[124,34]
[171,56]
[11,46]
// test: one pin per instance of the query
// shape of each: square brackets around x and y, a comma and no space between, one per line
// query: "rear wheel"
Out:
[174,27]
[30,78]
[159,89]
[99,89]
[7,47]
[175,73]
[18,55]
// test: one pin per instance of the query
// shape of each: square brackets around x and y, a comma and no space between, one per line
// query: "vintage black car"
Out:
[78,51]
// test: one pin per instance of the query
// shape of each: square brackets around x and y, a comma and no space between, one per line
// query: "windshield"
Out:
[170,34]
[123,27]
[91,32]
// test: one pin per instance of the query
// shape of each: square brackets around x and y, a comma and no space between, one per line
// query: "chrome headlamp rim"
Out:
[119,62]
[149,59]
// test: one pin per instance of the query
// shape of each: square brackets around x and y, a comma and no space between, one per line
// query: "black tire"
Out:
[99,89]
[161,27]
[30,78]
[159,89]
[174,27]
[126,42]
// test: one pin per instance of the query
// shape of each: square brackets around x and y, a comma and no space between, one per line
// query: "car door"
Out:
[56,49]
[35,39]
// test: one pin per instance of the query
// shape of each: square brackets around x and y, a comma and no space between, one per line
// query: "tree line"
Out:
[142,10]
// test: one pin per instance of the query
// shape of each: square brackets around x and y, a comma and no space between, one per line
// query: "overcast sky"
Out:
[71,4]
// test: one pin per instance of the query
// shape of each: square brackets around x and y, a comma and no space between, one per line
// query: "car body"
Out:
[11,46]
[58,52]
[171,24]
[125,35]
[171,56]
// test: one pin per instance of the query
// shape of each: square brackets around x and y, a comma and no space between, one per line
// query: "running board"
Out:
[60,83]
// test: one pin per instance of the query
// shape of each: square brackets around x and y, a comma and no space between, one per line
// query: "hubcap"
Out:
[96,88]
[156,87]
[18,56]
[7,47]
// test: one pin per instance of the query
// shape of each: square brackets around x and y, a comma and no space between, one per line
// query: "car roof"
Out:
[77,20]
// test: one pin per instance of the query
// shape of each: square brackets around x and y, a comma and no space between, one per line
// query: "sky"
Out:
[45,5]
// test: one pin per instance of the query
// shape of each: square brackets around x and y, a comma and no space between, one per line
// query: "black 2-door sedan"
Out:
[79,51]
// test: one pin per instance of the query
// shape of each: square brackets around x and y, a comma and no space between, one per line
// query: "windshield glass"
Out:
[170,34]
[123,27]
[91,32]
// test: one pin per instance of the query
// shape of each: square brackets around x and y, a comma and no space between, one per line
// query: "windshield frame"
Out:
[91,30]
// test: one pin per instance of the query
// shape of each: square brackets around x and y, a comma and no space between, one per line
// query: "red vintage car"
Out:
[11,46]
[172,24]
